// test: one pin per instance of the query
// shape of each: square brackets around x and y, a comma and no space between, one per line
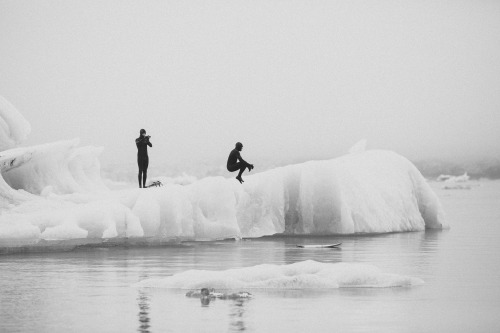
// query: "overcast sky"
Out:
[290,79]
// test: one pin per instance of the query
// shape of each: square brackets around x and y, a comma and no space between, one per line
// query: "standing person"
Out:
[233,164]
[142,143]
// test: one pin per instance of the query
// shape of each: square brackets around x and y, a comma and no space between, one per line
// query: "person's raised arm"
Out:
[144,140]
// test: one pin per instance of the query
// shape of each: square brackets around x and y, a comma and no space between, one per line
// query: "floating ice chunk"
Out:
[459,179]
[302,275]
[14,128]
[453,179]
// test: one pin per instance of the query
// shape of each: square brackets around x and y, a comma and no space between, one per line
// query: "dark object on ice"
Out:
[211,293]
[233,164]
[142,143]
[320,246]
[155,184]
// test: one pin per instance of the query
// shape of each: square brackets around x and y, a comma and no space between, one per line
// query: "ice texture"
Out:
[54,191]
[301,275]
[14,128]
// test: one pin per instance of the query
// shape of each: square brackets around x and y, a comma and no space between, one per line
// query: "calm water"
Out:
[89,291]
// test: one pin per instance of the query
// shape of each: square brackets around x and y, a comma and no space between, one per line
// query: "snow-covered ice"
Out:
[307,274]
[54,191]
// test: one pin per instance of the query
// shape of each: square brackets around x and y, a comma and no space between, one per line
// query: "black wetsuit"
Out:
[233,164]
[142,144]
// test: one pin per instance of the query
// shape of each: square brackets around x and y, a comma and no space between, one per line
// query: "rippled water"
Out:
[90,291]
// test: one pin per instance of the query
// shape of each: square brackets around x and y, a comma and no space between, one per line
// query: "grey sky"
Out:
[292,79]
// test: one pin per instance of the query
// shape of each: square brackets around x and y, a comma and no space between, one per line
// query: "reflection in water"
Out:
[144,319]
[237,322]
[205,301]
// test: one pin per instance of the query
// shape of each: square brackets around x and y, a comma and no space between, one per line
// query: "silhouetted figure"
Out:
[233,164]
[142,143]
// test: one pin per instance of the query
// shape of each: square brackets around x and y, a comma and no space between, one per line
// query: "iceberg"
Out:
[307,274]
[54,191]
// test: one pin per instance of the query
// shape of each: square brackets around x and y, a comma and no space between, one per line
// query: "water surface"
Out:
[90,291]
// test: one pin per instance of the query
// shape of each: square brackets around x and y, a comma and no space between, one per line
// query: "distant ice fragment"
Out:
[453,179]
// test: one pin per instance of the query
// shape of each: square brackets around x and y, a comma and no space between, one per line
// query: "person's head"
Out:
[205,292]
[142,132]
[239,146]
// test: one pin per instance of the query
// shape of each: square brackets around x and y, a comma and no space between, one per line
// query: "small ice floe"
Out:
[453,179]
[455,182]
[307,274]
[211,293]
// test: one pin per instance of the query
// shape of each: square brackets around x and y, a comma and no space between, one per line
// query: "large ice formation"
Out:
[301,275]
[54,191]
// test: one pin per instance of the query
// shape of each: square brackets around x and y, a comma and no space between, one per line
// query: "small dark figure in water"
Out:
[233,164]
[142,143]
[206,295]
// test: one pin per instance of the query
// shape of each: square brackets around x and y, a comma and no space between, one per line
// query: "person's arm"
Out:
[241,158]
[144,140]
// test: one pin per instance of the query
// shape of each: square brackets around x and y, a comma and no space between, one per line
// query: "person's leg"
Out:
[139,175]
[242,169]
[145,172]
[234,167]
[243,166]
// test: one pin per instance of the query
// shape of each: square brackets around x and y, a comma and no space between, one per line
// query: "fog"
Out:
[292,80]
